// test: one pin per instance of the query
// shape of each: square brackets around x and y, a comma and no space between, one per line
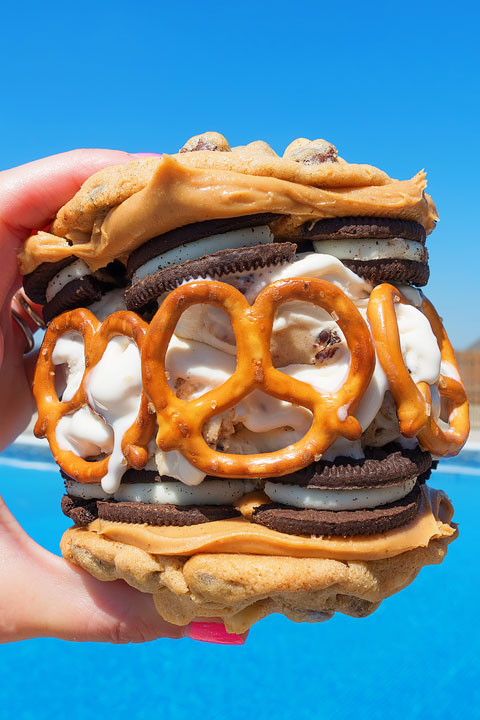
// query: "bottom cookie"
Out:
[242,589]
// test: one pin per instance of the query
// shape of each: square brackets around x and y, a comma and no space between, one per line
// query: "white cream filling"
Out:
[244,237]
[370,249]
[210,492]
[74,271]
[316,499]
[111,302]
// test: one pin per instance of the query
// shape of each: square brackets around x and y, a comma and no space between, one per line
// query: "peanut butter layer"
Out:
[100,225]
[113,185]
[241,536]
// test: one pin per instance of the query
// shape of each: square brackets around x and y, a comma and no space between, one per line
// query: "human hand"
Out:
[30,195]
[42,594]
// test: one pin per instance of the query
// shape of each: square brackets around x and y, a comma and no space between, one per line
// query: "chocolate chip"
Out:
[315,152]
[328,342]
[212,141]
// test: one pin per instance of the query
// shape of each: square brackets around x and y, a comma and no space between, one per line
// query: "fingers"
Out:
[15,385]
[116,613]
[31,194]
[110,612]
[45,596]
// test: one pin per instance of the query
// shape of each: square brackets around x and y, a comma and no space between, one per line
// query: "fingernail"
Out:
[214,633]
[147,154]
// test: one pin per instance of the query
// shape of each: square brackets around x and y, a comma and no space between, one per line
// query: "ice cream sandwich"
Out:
[247,416]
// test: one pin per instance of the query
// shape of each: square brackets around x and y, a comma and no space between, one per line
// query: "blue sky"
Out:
[390,84]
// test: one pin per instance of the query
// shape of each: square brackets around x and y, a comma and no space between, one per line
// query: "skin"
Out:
[42,594]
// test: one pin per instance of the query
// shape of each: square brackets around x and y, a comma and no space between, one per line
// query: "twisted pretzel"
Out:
[181,422]
[413,401]
[96,336]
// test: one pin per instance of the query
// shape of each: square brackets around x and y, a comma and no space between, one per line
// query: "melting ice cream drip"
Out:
[114,388]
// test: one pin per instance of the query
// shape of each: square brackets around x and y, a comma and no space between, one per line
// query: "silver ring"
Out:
[22,300]
[26,331]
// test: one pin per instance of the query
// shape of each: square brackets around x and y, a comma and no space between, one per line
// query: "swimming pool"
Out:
[416,657]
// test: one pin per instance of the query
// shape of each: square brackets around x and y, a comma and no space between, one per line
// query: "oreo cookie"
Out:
[190,233]
[179,515]
[216,265]
[381,467]
[350,228]
[396,248]
[347,523]
[77,291]
[404,271]
[84,291]
[35,283]
[81,511]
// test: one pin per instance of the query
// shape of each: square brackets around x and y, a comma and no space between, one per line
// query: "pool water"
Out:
[416,657]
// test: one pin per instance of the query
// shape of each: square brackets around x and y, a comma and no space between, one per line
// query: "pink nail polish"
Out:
[214,633]
[147,154]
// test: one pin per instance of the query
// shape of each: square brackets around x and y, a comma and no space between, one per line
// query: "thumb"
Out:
[31,194]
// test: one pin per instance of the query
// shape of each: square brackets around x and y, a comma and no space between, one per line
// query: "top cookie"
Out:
[302,162]
[157,194]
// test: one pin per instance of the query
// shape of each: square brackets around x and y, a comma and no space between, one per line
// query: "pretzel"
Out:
[413,401]
[180,422]
[96,336]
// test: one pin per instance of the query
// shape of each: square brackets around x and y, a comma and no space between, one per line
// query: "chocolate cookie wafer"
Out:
[215,266]
[378,249]
[35,283]
[381,467]
[81,511]
[298,521]
[179,515]
[69,283]
[78,293]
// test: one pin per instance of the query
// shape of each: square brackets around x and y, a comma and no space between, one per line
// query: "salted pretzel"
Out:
[414,401]
[181,422]
[96,336]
